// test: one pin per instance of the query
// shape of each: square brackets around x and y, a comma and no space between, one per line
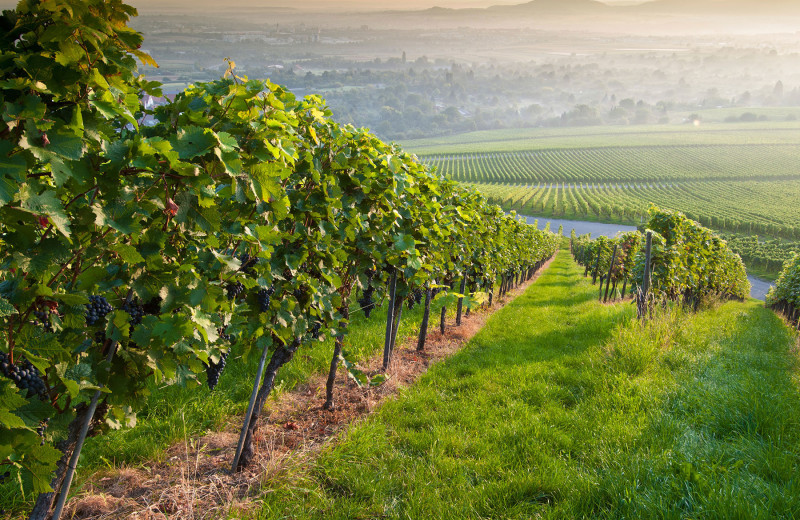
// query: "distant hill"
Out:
[554,6]
[594,7]
[722,7]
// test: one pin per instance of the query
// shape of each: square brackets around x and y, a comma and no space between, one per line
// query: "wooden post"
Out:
[423,329]
[250,408]
[72,465]
[460,305]
[648,251]
[398,314]
[610,270]
[624,287]
[387,345]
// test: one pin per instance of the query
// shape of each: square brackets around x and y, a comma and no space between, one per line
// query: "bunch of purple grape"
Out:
[24,375]
[97,309]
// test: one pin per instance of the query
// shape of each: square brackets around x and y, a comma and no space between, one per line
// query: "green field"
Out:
[565,408]
[525,139]
[743,178]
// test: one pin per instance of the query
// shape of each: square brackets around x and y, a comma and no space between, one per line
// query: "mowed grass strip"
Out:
[564,408]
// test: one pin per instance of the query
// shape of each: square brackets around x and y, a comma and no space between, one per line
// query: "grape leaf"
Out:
[6,309]
[193,141]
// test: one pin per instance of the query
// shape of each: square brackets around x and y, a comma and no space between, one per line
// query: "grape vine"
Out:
[688,262]
[242,212]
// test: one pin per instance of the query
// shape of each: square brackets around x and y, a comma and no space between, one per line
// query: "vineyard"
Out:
[764,208]
[587,412]
[542,139]
[734,180]
[625,165]
[784,297]
[240,227]
[243,240]
[679,261]
[762,256]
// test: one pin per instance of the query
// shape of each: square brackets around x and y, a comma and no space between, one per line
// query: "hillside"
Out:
[578,411]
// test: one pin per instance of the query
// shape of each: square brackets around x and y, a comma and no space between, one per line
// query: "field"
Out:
[742,178]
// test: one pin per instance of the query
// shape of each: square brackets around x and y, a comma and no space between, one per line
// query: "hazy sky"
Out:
[361,4]
[332,5]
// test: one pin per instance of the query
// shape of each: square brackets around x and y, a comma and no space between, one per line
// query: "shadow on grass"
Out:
[726,441]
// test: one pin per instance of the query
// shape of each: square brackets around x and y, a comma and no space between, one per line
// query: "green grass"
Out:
[564,408]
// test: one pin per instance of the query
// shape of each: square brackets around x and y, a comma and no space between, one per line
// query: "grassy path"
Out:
[564,408]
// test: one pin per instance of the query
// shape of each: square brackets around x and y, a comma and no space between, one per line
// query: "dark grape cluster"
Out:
[316,330]
[41,429]
[4,476]
[135,311]
[370,274]
[96,309]
[43,317]
[153,307]
[415,298]
[247,264]
[264,297]
[25,376]
[366,303]
[234,290]
[214,370]
[223,336]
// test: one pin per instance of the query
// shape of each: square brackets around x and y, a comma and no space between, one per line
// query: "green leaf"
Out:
[69,53]
[128,253]
[10,400]
[12,169]
[404,242]
[64,144]
[118,216]
[230,262]
[267,179]
[6,309]
[193,141]
[378,379]
[47,204]
[206,326]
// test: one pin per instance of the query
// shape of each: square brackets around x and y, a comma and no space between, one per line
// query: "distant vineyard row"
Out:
[624,164]
[766,208]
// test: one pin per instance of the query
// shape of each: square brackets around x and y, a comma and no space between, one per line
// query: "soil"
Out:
[195,482]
